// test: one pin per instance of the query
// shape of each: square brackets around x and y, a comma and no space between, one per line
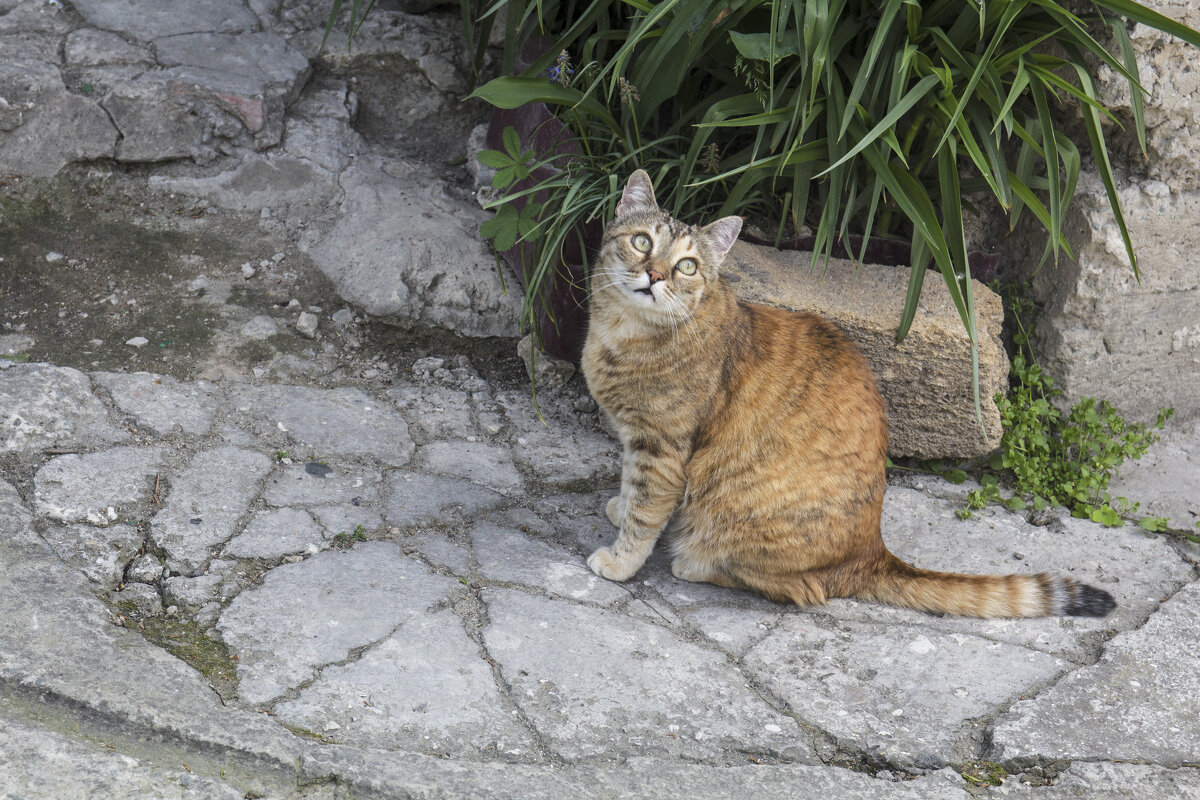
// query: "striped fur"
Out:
[760,431]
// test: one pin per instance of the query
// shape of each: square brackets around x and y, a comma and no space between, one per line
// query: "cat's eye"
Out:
[687,266]
[641,242]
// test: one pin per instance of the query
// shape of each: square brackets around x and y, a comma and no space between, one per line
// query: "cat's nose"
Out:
[655,276]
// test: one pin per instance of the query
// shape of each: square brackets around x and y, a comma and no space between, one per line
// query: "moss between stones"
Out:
[983,773]
[186,640]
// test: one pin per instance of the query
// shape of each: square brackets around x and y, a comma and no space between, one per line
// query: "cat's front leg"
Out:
[655,479]
[617,506]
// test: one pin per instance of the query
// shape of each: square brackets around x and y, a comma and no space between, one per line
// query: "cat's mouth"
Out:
[646,291]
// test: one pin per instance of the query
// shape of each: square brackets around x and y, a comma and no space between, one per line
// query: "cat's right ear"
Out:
[638,194]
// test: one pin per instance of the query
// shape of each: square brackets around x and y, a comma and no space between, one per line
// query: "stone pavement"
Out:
[235,589]
[294,562]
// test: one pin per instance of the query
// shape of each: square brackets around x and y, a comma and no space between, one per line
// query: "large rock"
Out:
[1102,332]
[925,379]
[43,405]
[406,251]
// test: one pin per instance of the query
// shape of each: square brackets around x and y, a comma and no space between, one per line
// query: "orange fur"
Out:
[762,428]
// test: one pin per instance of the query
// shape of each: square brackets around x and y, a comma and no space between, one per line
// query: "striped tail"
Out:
[899,584]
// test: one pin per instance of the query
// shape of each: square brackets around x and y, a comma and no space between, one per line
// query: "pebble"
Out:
[277,257]
[138,341]
[306,323]
[342,317]
[54,257]
[248,270]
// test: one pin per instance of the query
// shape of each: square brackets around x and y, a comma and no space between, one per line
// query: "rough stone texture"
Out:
[424,689]
[99,553]
[75,488]
[314,613]
[43,406]
[508,556]
[327,422]
[36,101]
[316,484]
[1100,332]
[547,371]
[650,778]
[413,498]
[1166,481]
[478,462]
[925,380]
[39,764]
[894,692]
[163,404]
[1125,708]
[206,502]
[168,17]
[275,534]
[423,263]
[1105,781]
[557,448]
[620,691]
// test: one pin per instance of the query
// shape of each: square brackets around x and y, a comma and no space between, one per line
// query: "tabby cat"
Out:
[760,430]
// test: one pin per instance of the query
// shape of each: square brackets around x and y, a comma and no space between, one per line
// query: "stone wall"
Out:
[1101,332]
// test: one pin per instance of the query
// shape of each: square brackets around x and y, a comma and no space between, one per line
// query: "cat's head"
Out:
[654,263]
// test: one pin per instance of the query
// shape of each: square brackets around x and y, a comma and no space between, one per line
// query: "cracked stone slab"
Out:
[315,484]
[205,503]
[163,404]
[404,775]
[42,406]
[414,498]
[1138,569]
[1105,781]
[439,411]
[1166,480]
[509,556]
[478,462]
[36,763]
[81,488]
[595,683]
[99,553]
[562,451]
[328,422]
[424,689]
[314,613]
[276,533]
[894,693]
[1138,703]
[60,644]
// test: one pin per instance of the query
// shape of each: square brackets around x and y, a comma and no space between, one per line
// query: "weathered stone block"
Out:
[1102,333]
[925,380]
[407,251]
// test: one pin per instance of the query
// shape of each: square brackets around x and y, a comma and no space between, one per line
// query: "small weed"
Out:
[1155,524]
[280,455]
[983,773]
[344,540]
[19,358]
[1056,459]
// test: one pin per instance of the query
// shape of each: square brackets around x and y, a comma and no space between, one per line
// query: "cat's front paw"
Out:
[606,565]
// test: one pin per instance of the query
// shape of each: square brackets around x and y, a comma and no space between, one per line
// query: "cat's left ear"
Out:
[723,233]
[638,194]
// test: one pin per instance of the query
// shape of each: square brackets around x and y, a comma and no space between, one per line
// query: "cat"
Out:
[759,431]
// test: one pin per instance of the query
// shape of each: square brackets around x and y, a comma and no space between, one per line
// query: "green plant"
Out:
[1057,459]
[853,117]
[344,540]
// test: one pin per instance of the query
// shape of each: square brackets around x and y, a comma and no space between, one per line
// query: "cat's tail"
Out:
[899,584]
